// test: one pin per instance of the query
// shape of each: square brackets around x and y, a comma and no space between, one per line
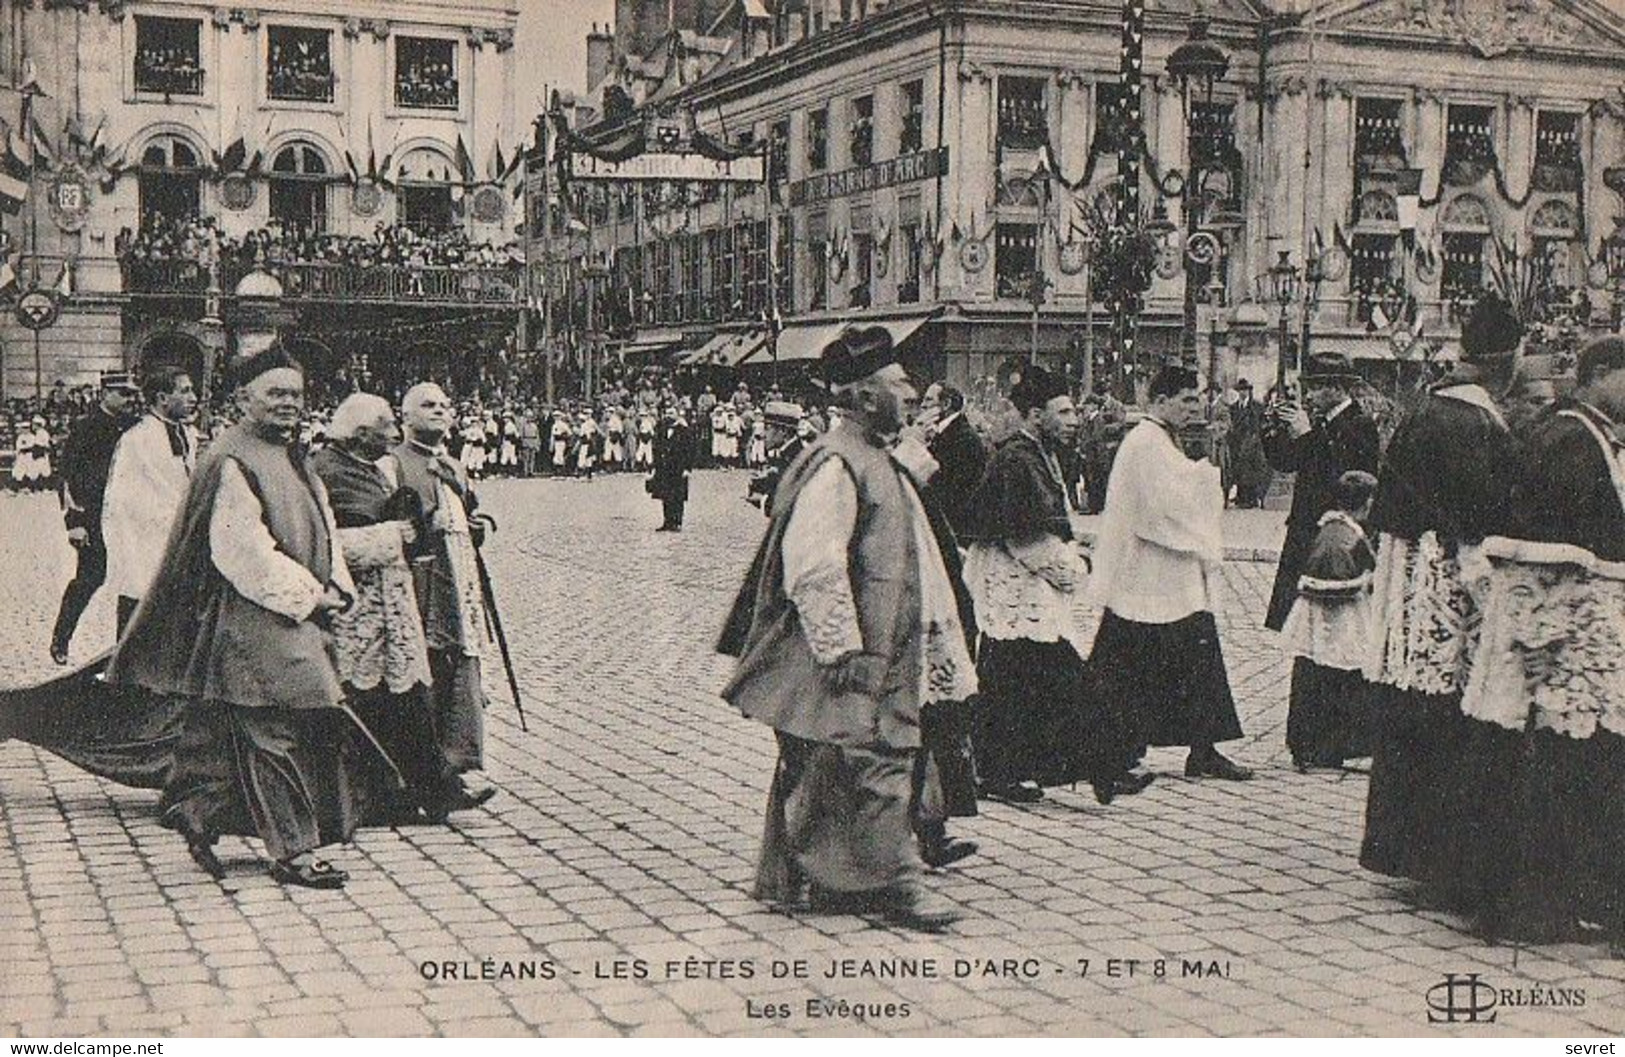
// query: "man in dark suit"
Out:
[959,450]
[1249,468]
[674,461]
[1319,442]
[86,460]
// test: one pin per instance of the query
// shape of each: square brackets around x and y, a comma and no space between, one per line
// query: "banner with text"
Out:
[668,167]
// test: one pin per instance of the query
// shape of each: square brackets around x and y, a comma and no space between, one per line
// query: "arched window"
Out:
[170,181]
[425,177]
[1466,226]
[1553,233]
[299,178]
[1378,209]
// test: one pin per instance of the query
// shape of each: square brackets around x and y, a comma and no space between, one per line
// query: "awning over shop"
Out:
[806,341]
[725,350]
[651,343]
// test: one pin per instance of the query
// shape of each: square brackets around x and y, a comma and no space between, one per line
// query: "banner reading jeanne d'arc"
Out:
[921,165]
[679,166]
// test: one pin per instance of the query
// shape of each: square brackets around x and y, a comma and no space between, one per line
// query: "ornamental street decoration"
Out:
[488,205]
[973,255]
[683,165]
[69,197]
[1074,257]
[365,198]
[236,192]
[37,309]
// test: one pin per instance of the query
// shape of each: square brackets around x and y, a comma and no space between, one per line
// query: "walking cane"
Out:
[491,613]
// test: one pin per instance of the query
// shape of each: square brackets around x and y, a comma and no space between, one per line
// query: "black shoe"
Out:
[1013,794]
[1122,785]
[1213,764]
[201,848]
[945,851]
[822,900]
[317,873]
[914,908]
[664,528]
[59,654]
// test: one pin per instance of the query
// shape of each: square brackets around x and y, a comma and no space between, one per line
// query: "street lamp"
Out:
[1200,63]
[1283,278]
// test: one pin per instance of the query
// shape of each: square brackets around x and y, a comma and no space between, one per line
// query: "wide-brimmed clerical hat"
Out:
[856,354]
[1329,367]
[119,380]
[1492,329]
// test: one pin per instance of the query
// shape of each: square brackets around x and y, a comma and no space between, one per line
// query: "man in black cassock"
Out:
[674,462]
[1545,703]
[959,450]
[1036,721]
[86,459]
[1446,484]
[1247,465]
[1320,443]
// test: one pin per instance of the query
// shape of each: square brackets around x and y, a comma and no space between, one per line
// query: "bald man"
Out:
[448,594]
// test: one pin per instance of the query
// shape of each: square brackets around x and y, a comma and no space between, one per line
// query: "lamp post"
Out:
[1198,63]
[1283,287]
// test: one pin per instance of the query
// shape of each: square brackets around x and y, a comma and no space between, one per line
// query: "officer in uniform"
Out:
[86,459]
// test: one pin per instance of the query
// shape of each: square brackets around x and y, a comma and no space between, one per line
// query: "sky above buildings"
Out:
[552,47]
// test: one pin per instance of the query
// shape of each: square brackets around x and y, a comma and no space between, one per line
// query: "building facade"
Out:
[162,131]
[945,165]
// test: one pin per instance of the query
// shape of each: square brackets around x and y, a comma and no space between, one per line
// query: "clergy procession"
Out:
[304,640]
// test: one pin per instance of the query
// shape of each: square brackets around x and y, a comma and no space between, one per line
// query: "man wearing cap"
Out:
[1319,442]
[1446,484]
[674,459]
[146,484]
[1157,566]
[846,627]
[783,444]
[235,625]
[85,461]
[1546,698]
[1036,722]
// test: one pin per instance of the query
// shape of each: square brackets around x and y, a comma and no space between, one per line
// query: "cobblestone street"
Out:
[624,838]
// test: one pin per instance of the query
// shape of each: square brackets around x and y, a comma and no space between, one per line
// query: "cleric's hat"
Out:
[1035,388]
[1491,330]
[272,358]
[1329,367]
[856,354]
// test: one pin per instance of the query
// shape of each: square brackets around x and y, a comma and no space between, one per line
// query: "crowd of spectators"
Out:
[195,243]
[426,83]
[169,69]
[301,71]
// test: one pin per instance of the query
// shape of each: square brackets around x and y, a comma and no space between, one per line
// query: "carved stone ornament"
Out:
[502,38]
[352,28]
[1489,27]
[378,27]
[1074,256]
[971,73]
[113,9]
[478,37]
[220,17]
[81,6]
[1072,79]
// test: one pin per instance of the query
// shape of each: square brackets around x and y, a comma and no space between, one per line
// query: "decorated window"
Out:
[1557,152]
[170,182]
[1372,276]
[1107,117]
[1378,140]
[168,59]
[424,196]
[1015,260]
[817,260]
[817,140]
[1462,280]
[1378,209]
[908,237]
[1023,123]
[1469,149]
[299,64]
[425,73]
[912,136]
[1553,247]
[860,294]
[299,177]
[863,130]
[1213,135]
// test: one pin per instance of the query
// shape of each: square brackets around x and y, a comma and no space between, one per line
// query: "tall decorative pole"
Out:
[1129,124]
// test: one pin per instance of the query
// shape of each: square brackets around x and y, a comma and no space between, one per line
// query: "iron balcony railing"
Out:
[357,283]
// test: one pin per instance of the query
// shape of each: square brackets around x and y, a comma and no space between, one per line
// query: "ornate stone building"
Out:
[938,163]
[315,118]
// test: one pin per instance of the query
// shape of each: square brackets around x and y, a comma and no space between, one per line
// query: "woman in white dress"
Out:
[474,447]
[560,440]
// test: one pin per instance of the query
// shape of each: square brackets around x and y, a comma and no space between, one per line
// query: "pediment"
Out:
[1489,27]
